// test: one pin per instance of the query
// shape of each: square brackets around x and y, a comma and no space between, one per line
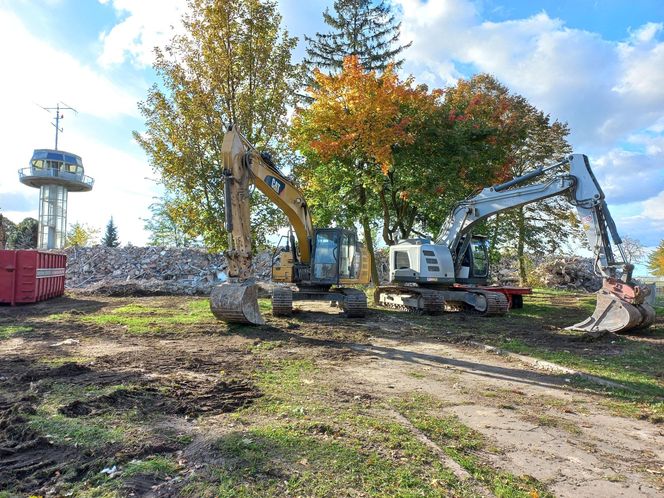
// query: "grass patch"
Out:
[78,432]
[141,319]
[7,331]
[157,466]
[463,445]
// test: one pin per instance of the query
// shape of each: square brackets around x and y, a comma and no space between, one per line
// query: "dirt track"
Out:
[178,387]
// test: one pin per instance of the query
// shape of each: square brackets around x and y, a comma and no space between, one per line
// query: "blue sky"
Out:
[599,65]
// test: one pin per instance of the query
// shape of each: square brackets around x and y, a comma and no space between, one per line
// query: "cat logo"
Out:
[277,185]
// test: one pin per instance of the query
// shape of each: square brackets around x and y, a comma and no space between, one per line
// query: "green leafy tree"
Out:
[348,133]
[462,145]
[231,67]
[81,235]
[7,227]
[110,238]
[543,227]
[164,227]
[366,29]
[25,235]
[656,260]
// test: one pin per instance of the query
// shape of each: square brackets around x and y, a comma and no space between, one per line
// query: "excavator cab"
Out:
[474,268]
[337,258]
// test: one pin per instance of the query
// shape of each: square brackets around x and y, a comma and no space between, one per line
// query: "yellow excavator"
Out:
[319,266]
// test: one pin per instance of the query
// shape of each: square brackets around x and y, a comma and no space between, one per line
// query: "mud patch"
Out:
[188,398]
[28,461]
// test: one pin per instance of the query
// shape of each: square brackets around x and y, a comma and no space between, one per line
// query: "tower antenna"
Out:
[60,106]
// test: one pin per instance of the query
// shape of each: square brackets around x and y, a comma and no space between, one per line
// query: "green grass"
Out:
[79,432]
[7,331]
[137,318]
[85,431]
[464,445]
[158,466]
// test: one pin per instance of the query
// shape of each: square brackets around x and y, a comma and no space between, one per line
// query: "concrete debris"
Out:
[135,271]
[131,271]
[568,273]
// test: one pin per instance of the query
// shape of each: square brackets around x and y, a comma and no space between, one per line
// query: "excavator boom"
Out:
[236,301]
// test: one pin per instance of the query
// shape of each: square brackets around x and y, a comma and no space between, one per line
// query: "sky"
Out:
[597,65]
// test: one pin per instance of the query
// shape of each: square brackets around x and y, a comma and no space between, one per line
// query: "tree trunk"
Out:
[521,224]
[368,240]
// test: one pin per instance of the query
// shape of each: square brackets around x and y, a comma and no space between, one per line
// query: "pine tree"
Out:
[111,236]
[364,28]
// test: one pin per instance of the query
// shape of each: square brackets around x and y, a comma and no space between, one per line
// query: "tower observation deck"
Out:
[55,173]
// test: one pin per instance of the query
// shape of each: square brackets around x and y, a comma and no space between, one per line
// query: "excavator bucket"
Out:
[236,303]
[613,314]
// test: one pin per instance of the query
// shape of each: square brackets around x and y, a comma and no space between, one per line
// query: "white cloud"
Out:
[629,176]
[602,88]
[37,73]
[146,25]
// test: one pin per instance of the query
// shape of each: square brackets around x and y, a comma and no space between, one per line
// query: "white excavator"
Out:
[451,272]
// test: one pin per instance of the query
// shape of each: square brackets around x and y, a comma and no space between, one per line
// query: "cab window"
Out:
[480,263]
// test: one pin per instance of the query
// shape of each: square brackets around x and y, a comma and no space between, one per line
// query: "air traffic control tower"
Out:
[55,173]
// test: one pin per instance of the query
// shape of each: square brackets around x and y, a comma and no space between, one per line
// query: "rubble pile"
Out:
[150,270]
[568,273]
[505,271]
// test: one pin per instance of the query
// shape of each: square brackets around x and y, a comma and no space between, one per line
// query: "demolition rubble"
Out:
[118,271]
[193,271]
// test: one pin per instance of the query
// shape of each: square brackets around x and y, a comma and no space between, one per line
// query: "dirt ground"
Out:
[67,383]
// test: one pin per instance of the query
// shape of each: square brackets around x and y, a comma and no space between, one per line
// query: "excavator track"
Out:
[412,300]
[282,301]
[497,303]
[354,304]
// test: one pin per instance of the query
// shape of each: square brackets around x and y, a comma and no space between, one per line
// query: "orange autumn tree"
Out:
[348,135]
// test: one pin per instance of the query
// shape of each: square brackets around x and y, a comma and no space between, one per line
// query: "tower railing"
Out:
[54,173]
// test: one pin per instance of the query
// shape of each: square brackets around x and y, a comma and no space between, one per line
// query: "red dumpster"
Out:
[31,276]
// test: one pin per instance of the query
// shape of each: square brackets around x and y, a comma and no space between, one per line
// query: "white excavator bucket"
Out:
[236,303]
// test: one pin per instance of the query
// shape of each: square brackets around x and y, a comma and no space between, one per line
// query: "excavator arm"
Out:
[243,166]
[620,302]
[236,301]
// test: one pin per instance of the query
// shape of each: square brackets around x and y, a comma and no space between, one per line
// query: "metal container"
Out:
[31,276]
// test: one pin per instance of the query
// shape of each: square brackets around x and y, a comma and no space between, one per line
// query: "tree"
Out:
[81,235]
[110,238]
[7,227]
[633,249]
[363,28]
[164,228]
[348,132]
[25,235]
[462,145]
[231,67]
[656,260]
[542,227]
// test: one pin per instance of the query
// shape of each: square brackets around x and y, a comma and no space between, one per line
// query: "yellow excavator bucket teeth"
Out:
[612,314]
[236,303]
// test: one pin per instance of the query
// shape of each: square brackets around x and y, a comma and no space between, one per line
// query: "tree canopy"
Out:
[656,260]
[232,66]
[81,235]
[366,29]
